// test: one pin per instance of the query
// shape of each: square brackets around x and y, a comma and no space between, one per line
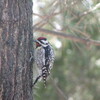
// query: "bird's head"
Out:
[41,41]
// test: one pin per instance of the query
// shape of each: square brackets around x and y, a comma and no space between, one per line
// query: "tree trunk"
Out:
[15,49]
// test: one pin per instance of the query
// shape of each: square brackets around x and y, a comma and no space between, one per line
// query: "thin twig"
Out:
[90,10]
[37,15]
[61,93]
[36,80]
[50,15]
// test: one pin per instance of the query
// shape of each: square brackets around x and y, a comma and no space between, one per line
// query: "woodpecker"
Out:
[44,58]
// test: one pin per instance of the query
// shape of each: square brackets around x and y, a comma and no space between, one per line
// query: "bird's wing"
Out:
[51,57]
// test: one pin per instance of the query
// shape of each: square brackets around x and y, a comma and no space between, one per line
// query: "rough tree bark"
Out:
[15,49]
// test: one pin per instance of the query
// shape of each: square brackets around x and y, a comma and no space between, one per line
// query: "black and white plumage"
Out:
[44,58]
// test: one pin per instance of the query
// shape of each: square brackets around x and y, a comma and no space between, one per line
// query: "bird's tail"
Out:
[44,74]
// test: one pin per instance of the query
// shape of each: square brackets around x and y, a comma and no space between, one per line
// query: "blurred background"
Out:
[76,71]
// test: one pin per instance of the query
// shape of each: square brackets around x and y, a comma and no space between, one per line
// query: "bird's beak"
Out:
[34,40]
[37,43]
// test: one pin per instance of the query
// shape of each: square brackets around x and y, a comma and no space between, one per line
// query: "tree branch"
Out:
[69,36]
[97,6]
[58,89]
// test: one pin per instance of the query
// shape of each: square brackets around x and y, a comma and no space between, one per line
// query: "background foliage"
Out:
[76,72]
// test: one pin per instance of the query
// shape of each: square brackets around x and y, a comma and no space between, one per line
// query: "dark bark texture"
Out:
[15,49]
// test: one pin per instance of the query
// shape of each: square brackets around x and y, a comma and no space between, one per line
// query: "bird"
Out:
[44,58]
